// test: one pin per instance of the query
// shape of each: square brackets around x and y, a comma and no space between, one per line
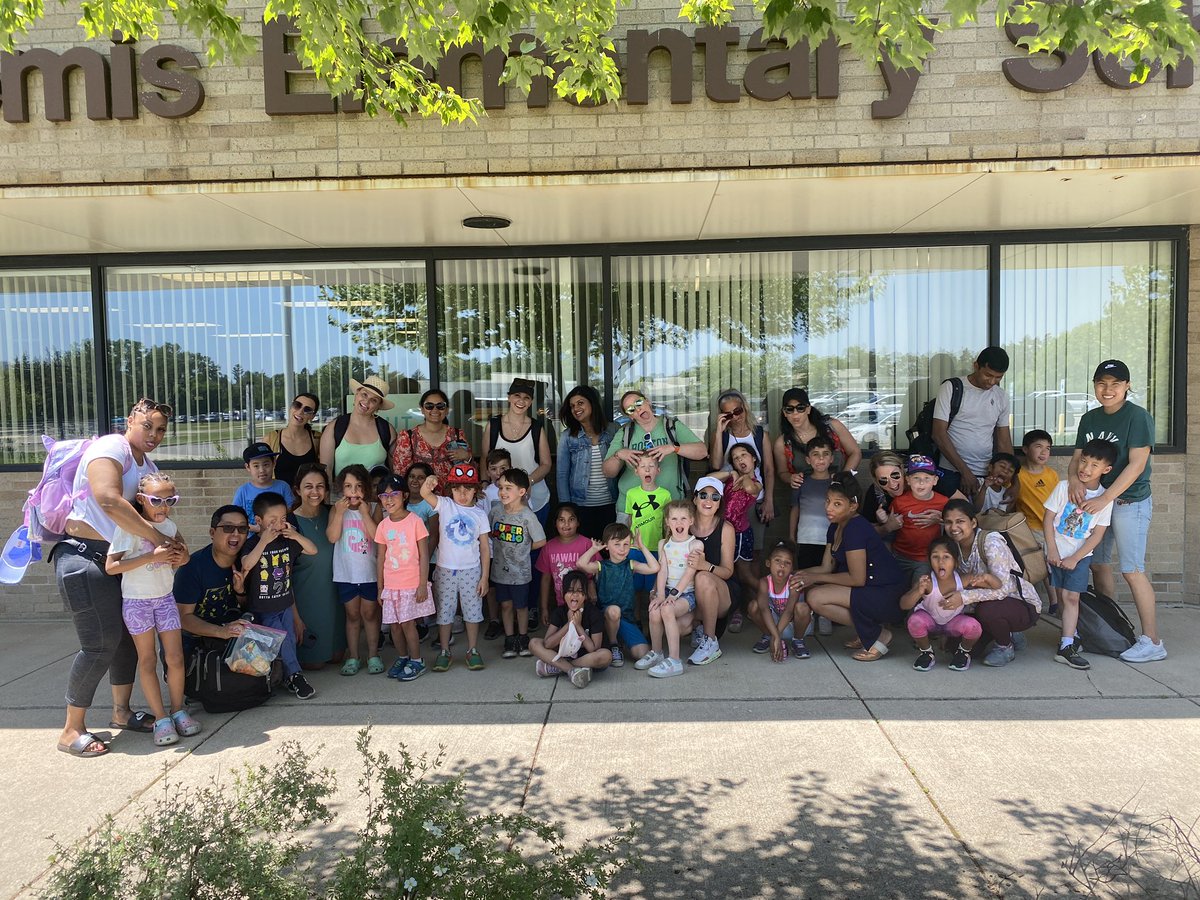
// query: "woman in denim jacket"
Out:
[581,451]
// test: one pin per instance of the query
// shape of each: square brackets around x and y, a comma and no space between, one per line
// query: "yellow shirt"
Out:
[1036,489]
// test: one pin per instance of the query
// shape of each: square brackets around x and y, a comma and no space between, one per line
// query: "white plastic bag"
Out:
[571,641]
[255,649]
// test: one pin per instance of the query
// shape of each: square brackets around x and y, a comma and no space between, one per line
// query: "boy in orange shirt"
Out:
[920,511]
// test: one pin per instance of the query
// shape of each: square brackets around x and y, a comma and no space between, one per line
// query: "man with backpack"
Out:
[971,422]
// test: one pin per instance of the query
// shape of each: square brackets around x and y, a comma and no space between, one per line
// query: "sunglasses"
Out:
[794,409]
[707,495]
[386,495]
[234,529]
[895,476]
[736,411]
[435,406]
[159,501]
[308,410]
[150,405]
[635,406]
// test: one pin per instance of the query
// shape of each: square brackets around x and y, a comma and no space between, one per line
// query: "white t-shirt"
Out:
[1073,526]
[972,430]
[354,552]
[153,580]
[85,508]
[459,528]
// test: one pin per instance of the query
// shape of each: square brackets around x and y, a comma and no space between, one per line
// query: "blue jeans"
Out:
[284,621]
[1129,527]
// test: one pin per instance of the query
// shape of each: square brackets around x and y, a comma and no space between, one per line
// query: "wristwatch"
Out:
[712,569]
[671,592]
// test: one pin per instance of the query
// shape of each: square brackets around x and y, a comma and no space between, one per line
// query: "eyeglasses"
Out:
[159,501]
[707,495]
[635,406]
[387,495]
[895,476]
[234,529]
[307,410]
[435,406]
[792,408]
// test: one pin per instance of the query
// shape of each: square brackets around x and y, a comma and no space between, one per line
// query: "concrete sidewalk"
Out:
[816,777]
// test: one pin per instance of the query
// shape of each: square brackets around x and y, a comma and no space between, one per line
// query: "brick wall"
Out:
[963,109]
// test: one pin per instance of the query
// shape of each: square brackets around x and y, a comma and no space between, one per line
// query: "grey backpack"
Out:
[1103,626]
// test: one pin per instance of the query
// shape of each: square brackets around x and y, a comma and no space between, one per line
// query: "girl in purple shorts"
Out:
[148,606]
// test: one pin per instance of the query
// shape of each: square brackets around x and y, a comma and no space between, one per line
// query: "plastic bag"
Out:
[255,649]
[571,641]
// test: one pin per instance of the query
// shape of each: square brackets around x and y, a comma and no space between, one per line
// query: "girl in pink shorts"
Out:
[937,608]
[148,606]
[404,593]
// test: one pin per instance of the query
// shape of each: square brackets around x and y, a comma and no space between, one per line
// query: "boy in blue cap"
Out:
[259,460]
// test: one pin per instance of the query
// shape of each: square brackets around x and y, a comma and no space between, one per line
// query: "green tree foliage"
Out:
[381,50]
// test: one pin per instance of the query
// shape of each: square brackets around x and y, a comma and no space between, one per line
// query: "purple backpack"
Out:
[51,500]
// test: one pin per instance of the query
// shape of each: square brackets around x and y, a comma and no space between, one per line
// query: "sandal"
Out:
[141,722]
[853,644]
[80,746]
[350,666]
[878,651]
[375,666]
[165,733]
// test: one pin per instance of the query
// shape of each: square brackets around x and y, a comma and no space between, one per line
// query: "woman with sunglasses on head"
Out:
[312,579]
[296,443]
[799,423]
[586,436]
[106,484]
[664,437]
[887,483]
[435,441]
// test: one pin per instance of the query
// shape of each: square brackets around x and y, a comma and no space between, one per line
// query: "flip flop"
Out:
[878,651]
[141,722]
[79,746]
[853,644]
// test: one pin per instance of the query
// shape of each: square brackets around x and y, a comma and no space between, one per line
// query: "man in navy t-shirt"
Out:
[210,590]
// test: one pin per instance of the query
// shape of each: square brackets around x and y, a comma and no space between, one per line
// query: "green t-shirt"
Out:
[1129,427]
[668,476]
[646,509]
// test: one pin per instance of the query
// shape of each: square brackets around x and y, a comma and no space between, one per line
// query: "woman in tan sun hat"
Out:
[360,436]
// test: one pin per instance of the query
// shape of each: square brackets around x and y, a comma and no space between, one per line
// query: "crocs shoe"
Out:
[351,666]
[164,732]
[375,666]
[185,725]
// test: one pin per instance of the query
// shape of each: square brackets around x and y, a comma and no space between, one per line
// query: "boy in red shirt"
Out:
[920,512]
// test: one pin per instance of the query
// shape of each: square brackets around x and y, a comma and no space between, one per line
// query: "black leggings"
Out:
[594,519]
[93,598]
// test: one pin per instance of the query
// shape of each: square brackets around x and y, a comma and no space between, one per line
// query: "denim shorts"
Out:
[1129,527]
[1073,580]
[346,591]
[629,634]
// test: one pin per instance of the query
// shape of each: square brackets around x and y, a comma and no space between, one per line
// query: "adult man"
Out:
[968,437]
[209,589]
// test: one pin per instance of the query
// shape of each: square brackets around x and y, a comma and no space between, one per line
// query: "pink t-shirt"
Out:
[558,558]
[402,556]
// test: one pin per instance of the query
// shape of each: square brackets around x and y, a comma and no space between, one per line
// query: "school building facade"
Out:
[221,236]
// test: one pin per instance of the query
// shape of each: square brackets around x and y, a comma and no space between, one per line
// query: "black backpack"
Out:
[1103,626]
[496,432]
[222,690]
[920,435]
[342,423]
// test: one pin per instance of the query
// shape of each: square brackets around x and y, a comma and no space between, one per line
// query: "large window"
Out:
[869,333]
[1065,308]
[229,347]
[47,363]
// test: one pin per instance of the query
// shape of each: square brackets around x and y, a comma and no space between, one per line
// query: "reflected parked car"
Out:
[873,429]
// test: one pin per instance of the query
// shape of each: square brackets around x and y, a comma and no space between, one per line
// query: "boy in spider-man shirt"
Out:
[645,505]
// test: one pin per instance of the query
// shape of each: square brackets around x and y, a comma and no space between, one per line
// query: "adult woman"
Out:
[799,423]
[1005,605]
[714,568]
[312,579]
[581,450]
[734,426]
[360,436]
[664,438]
[105,487]
[860,582]
[296,443]
[518,432]
[887,476]
[434,441]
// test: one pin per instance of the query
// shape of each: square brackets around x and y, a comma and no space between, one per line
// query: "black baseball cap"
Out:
[1113,367]
[258,450]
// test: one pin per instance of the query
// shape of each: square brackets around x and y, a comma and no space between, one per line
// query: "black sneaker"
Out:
[523,645]
[511,647]
[1072,656]
[422,632]
[925,661]
[534,619]
[961,661]
[299,686]
[493,631]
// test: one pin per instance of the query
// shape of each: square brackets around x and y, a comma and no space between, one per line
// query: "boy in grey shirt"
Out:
[969,435]
[516,532]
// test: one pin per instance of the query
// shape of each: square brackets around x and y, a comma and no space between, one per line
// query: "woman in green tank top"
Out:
[360,436]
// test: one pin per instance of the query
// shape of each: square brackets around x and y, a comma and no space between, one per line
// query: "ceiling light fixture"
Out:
[486,222]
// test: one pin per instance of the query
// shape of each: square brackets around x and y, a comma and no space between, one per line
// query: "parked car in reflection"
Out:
[874,429]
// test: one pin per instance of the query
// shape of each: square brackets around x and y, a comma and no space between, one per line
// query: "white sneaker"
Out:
[653,658]
[698,636]
[667,668]
[824,626]
[808,632]
[706,652]
[1145,650]
[580,676]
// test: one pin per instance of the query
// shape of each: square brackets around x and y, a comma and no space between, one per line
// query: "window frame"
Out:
[98,263]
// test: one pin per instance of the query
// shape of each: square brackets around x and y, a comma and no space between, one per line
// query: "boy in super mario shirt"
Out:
[516,533]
